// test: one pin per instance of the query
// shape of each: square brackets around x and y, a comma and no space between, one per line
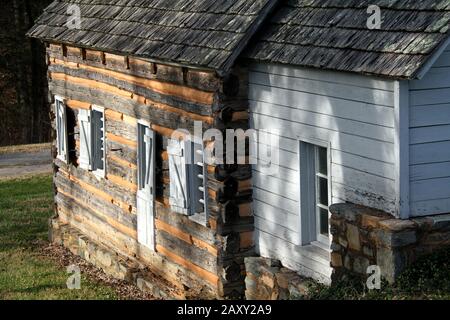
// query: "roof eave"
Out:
[423,70]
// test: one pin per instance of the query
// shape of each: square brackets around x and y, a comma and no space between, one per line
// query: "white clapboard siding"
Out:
[276,215]
[430,152]
[437,206]
[282,173]
[430,140]
[366,147]
[429,115]
[307,262]
[430,134]
[355,114]
[430,189]
[324,121]
[288,162]
[372,200]
[429,170]
[276,200]
[350,79]
[379,168]
[277,186]
[346,109]
[373,184]
[329,89]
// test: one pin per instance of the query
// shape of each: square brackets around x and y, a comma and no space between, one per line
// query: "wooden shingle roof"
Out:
[333,35]
[202,33]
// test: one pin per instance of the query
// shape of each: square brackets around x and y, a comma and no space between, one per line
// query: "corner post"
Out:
[401,93]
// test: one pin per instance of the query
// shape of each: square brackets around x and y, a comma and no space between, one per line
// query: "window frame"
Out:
[100,173]
[309,218]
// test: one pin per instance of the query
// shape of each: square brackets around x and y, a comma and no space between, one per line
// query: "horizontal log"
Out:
[163,266]
[160,119]
[199,257]
[98,230]
[121,129]
[182,92]
[105,188]
[123,171]
[202,80]
[90,84]
[212,278]
[186,237]
[122,183]
[121,140]
[246,239]
[122,151]
[97,192]
[74,104]
[183,223]
[122,162]
[105,214]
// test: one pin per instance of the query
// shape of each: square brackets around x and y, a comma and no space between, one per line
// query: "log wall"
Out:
[207,259]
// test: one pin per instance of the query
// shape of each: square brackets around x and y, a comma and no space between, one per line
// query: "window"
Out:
[314,194]
[92,140]
[188,187]
[61,130]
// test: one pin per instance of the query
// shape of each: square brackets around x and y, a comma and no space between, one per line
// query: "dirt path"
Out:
[27,162]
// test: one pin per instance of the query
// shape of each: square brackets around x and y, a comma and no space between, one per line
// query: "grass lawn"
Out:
[25,207]
[427,279]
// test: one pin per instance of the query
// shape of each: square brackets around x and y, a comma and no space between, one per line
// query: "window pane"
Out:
[323,221]
[322,161]
[323,191]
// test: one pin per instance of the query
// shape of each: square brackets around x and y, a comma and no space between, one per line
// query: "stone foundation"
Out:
[363,237]
[112,263]
[267,280]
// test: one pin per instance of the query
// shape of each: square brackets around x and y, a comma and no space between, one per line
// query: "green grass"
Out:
[428,278]
[25,207]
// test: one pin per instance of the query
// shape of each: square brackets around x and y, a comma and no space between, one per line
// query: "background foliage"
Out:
[24,116]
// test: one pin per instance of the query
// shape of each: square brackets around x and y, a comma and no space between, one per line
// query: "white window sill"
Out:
[318,253]
[321,246]
[199,218]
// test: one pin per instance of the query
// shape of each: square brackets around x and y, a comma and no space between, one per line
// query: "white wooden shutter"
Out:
[179,196]
[61,130]
[146,192]
[198,180]
[84,120]
[97,151]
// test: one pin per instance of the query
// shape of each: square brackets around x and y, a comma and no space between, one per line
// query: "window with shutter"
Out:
[84,123]
[61,129]
[146,186]
[188,179]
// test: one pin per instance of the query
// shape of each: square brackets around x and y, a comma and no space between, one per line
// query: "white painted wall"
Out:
[430,140]
[355,114]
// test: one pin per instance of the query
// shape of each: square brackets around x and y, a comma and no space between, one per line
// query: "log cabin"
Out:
[360,117]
